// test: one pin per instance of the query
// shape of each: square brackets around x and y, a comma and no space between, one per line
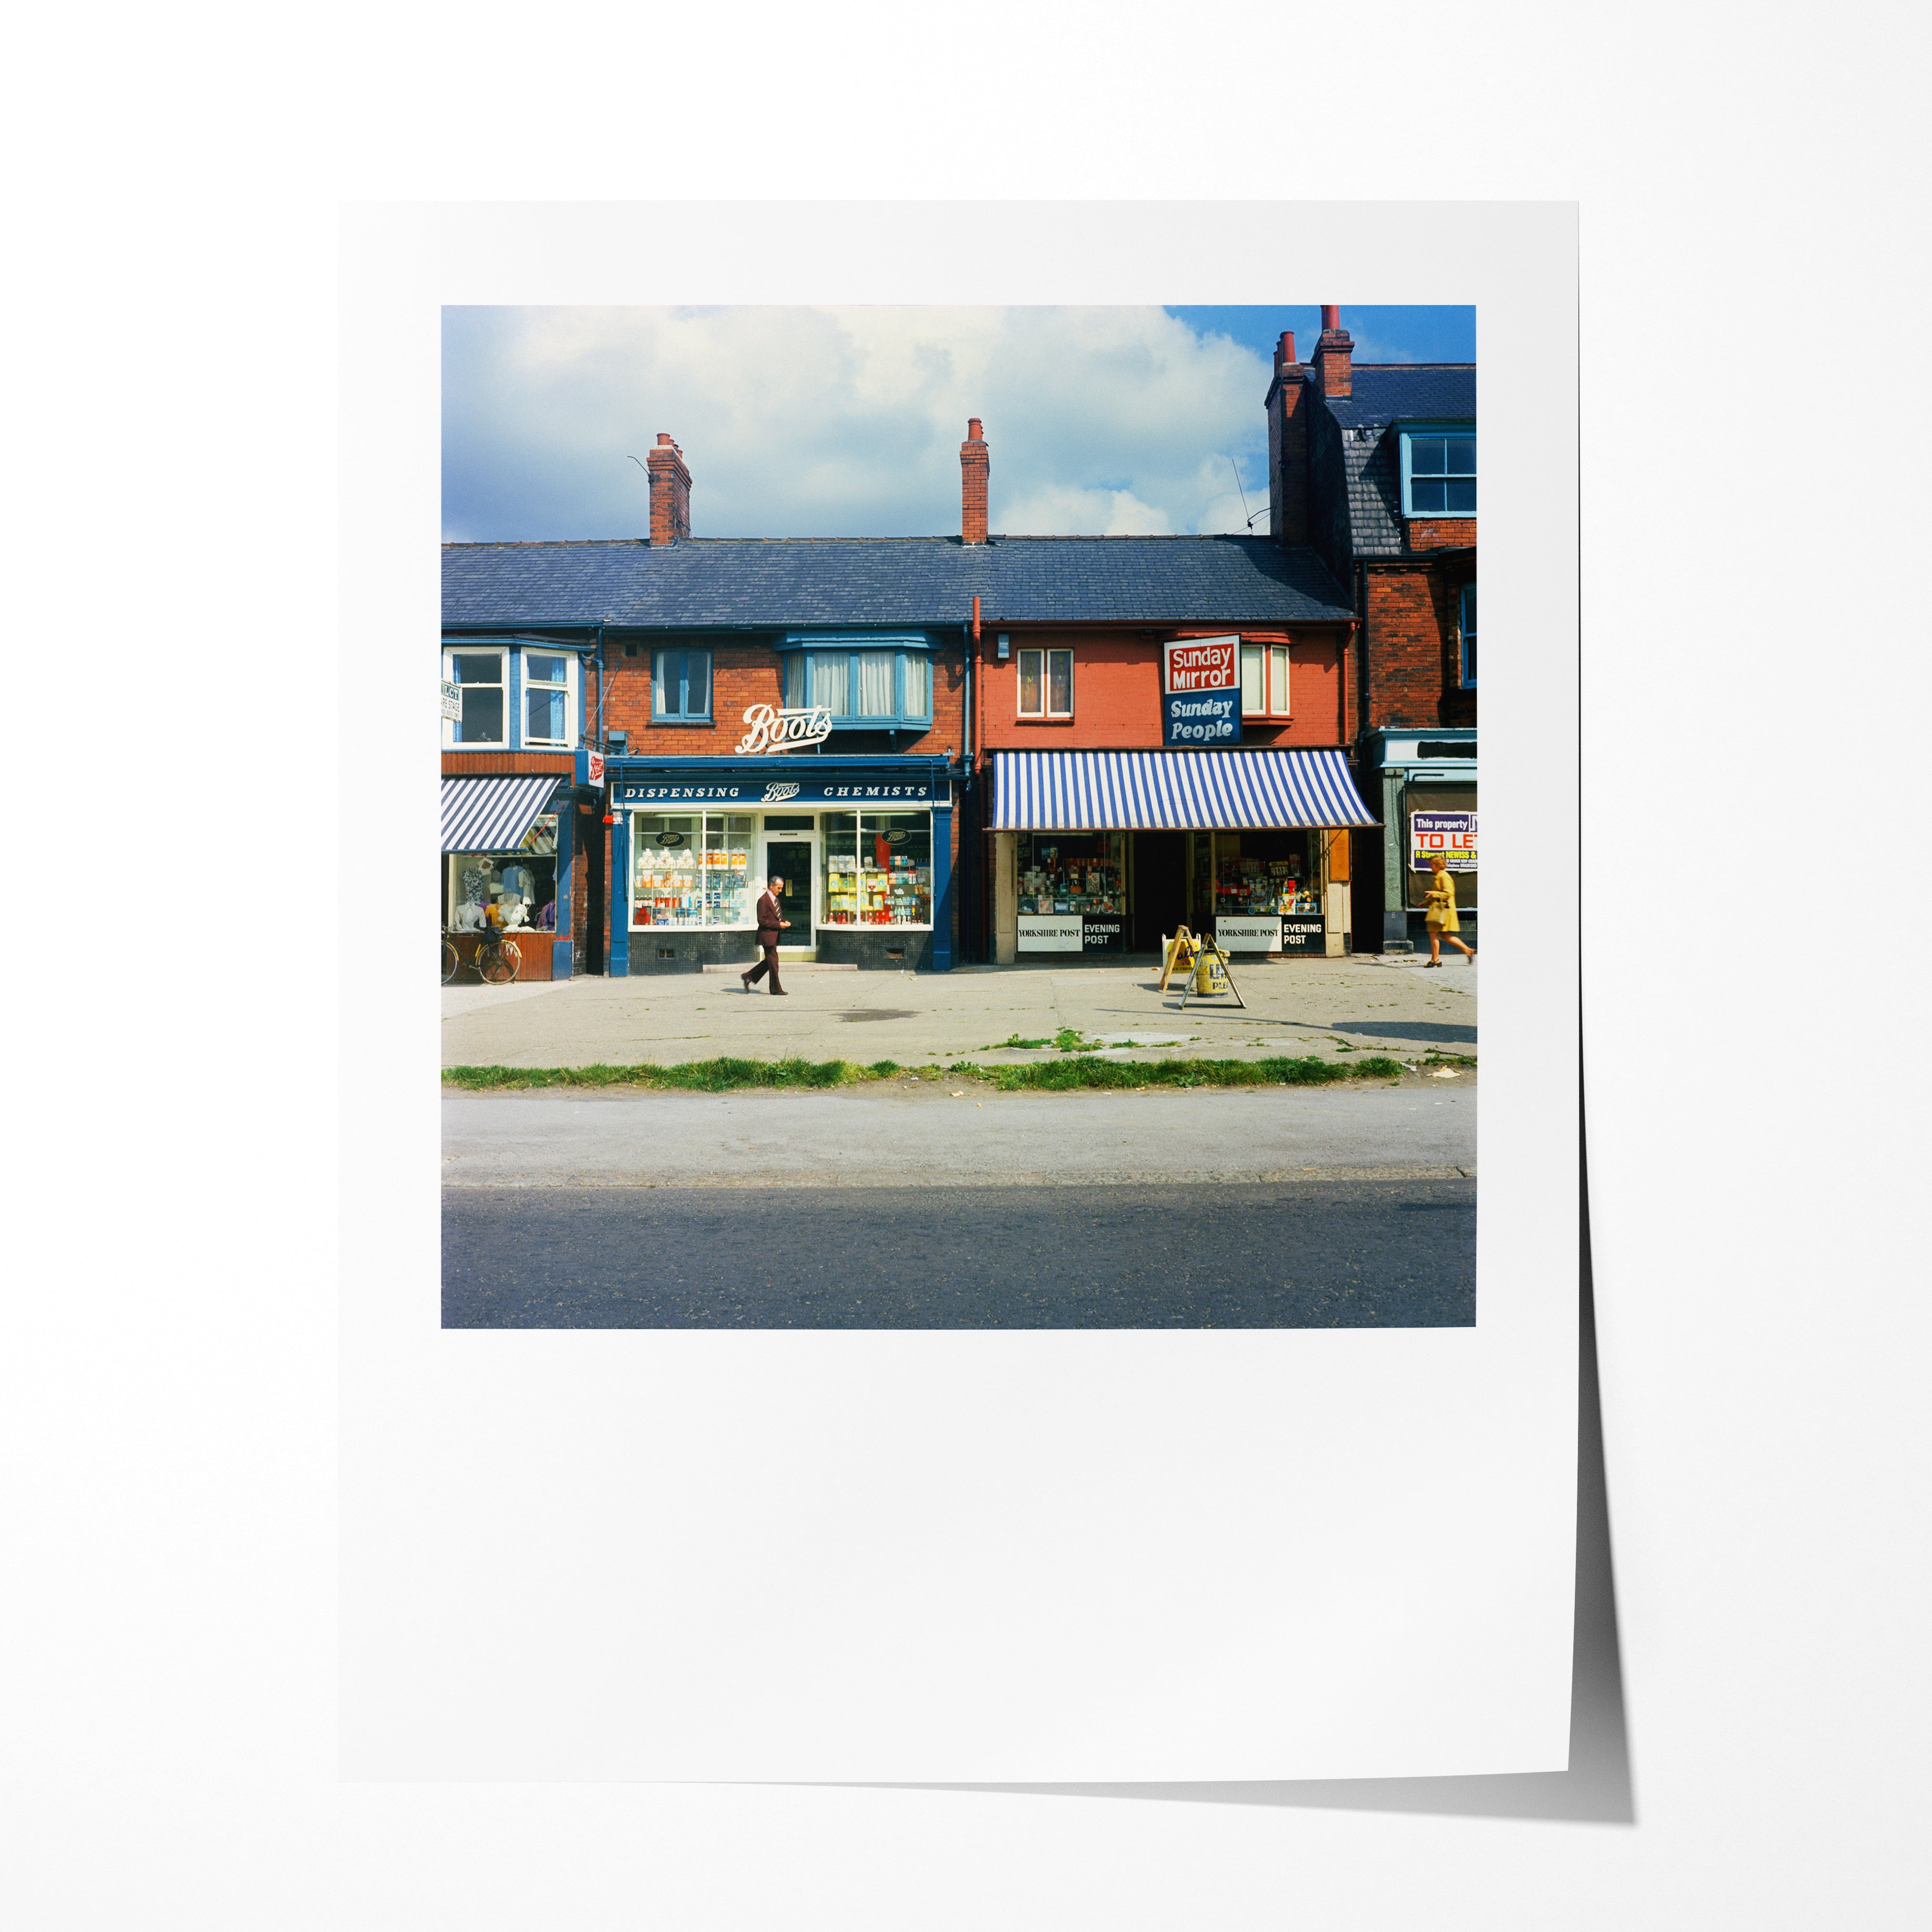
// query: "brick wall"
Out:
[743,674]
[1411,654]
[1117,702]
[1441,532]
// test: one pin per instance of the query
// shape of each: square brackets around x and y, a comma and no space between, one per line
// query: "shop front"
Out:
[862,848]
[506,865]
[1102,853]
[1427,784]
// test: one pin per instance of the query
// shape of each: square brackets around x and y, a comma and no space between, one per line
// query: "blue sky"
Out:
[847,422]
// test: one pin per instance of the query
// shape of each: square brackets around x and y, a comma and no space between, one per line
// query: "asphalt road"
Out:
[1395,1253]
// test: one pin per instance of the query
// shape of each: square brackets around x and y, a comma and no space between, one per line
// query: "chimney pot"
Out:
[974,464]
[1333,354]
[671,492]
[1331,316]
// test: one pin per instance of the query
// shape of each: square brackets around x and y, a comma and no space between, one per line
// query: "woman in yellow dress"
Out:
[1439,913]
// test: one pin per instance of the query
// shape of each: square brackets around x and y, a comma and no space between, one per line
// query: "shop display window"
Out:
[1258,874]
[691,869]
[1431,798]
[515,891]
[1072,871]
[878,868]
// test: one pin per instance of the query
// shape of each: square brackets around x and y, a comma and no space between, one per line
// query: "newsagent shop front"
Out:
[863,848]
[1102,853]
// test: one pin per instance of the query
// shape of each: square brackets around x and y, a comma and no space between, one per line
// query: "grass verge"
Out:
[1059,1076]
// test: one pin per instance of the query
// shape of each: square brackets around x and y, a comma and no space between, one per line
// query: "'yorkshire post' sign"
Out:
[1200,691]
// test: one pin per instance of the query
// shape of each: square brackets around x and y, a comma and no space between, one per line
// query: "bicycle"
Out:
[497,961]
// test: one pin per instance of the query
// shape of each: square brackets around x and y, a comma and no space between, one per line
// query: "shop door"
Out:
[1160,888]
[791,859]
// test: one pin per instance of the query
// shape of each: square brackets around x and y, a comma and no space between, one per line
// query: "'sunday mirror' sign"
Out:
[774,730]
[1451,833]
[1200,691]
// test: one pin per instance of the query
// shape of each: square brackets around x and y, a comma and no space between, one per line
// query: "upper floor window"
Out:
[483,676]
[1469,635]
[865,682]
[1439,471]
[1046,684]
[1264,680]
[547,683]
[681,686]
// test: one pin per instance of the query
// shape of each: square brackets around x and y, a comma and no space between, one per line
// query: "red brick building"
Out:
[1374,466]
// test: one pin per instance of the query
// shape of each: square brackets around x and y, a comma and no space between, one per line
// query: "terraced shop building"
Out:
[903,729]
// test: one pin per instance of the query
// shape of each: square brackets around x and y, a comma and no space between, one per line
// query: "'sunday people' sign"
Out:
[1451,833]
[1200,691]
[775,731]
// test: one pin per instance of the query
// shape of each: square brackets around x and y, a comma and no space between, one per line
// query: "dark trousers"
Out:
[769,964]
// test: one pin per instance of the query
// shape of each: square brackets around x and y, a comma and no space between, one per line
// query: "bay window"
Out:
[546,694]
[883,683]
[480,674]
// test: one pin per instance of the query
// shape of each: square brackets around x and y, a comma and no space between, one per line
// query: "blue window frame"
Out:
[681,686]
[1438,469]
[869,681]
[1469,637]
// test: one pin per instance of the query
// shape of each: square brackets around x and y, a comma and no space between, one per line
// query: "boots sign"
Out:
[1200,691]
[780,731]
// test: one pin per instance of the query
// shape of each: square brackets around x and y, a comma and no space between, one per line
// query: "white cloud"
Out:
[803,422]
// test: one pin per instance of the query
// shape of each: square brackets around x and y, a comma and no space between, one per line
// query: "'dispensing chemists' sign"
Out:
[1200,691]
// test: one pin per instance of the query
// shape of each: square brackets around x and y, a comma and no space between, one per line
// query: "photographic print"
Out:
[959,818]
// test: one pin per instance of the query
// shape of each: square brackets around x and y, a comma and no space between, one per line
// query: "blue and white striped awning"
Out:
[1146,791]
[492,814]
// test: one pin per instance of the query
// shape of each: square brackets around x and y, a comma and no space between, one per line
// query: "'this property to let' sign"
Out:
[1451,833]
[1200,691]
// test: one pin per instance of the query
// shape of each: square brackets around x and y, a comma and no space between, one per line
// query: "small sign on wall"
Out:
[1248,935]
[1451,833]
[1039,933]
[452,699]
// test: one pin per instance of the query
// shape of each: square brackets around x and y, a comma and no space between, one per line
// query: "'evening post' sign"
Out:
[1451,833]
[1200,691]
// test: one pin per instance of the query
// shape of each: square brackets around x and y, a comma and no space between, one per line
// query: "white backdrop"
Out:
[1748,641]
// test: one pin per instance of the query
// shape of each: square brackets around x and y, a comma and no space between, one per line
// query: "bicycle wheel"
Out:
[451,960]
[496,966]
[513,953]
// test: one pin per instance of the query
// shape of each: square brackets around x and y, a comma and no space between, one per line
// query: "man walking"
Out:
[770,924]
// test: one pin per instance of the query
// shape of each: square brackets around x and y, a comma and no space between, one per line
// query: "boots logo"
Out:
[779,730]
[777,794]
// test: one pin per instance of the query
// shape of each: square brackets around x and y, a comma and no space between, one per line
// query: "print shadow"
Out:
[1597,1788]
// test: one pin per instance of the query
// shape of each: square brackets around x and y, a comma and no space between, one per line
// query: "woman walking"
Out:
[1439,915]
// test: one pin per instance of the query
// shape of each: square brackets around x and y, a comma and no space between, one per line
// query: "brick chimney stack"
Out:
[670,493]
[1288,445]
[1333,351]
[974,466]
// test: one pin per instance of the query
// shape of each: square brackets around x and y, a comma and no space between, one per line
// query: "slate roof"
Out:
[1382,392]
[798,583]
[1385,394]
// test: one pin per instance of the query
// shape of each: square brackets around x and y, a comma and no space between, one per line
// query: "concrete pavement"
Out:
[918,1136]
[1330,1007]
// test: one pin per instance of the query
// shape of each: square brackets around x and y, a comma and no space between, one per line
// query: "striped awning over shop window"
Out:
[1147,791]
[492,814]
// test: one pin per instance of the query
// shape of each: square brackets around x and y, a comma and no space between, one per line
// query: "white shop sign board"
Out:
[452,699]
[1059,933]
[1248,935]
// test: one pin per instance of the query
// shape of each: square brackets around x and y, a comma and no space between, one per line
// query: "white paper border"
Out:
[1010,1556]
